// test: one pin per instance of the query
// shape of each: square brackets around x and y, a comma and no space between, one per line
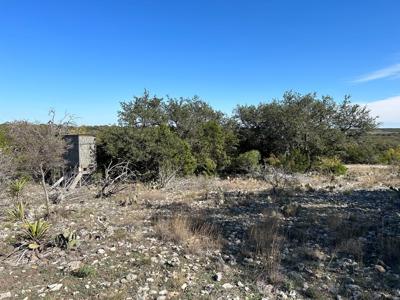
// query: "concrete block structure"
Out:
[81,154]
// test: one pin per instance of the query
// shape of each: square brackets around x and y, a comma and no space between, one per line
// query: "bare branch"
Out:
[115,178]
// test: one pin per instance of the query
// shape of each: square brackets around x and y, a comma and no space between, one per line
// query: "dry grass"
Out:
[266,240]
[389,250]
[193,233]
[152,195]
[353,247]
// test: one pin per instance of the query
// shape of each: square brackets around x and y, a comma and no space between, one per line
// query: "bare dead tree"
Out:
[40,148]
[116,176]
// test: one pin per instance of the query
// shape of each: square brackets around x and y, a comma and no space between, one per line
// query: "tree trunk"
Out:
[46,194]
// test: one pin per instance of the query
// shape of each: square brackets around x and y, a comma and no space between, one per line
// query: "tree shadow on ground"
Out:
[362,225]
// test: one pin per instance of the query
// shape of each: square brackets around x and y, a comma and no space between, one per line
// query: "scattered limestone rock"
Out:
[54,287]
[74,265]
[380,269]
[131,277]
[5,295]
[227,286]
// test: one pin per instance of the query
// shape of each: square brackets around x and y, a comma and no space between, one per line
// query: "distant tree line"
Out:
[188,136]
[183,136]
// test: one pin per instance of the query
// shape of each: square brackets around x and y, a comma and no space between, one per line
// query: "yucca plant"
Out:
[67,240]
[16,187]
[36,231]
[17,212]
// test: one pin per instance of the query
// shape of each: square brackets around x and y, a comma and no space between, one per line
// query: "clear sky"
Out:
[84,57]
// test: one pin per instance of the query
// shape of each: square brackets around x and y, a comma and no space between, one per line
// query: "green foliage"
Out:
[186,117]
[391,156]
[17,213]
[144,111]
[84,271]
[302,125]
[296,161]
[180,136]
[4,142]
[67,240]
[247,162]
[210,149]
[147,150]
[362,152]
[206,166]
[16,187]
[331,165]
[36,231]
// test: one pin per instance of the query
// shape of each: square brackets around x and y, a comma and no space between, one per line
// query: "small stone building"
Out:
[81,152]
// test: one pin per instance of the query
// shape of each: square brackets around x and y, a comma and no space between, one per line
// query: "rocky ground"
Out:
[310,237]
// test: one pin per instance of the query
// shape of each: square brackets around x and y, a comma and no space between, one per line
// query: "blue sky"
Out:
[84,57]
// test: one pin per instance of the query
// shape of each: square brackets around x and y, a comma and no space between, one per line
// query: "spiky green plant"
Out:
[16,187]
[67,240]
[17,213]
[84,271]
[36,231]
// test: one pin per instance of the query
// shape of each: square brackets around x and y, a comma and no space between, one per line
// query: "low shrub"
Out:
[83,272]
[247,162]
[295,161]
[36,231]
[17,213]
[391,156]
[16,187]
[331,166]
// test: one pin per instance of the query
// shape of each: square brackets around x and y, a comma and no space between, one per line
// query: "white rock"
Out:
[101,251]
[227,286]
[380,269]
[183,286]
[54,287]
[5,295]
[131,277]
[74,265]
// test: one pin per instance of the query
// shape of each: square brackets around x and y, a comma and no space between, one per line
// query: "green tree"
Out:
[187,115]
[147,149]
[307,124]
[143,111]
[210,148]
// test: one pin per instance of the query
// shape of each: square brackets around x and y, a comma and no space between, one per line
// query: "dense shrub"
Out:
[210,149]
[293,162]
[391,156]
[247,162]
[146,149]
[361,153]
[331,165]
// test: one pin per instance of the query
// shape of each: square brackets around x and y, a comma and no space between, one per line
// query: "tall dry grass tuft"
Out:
[193,233]
[266,240]
[389,250]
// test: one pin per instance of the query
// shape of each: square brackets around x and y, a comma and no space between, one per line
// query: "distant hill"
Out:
[387,136]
